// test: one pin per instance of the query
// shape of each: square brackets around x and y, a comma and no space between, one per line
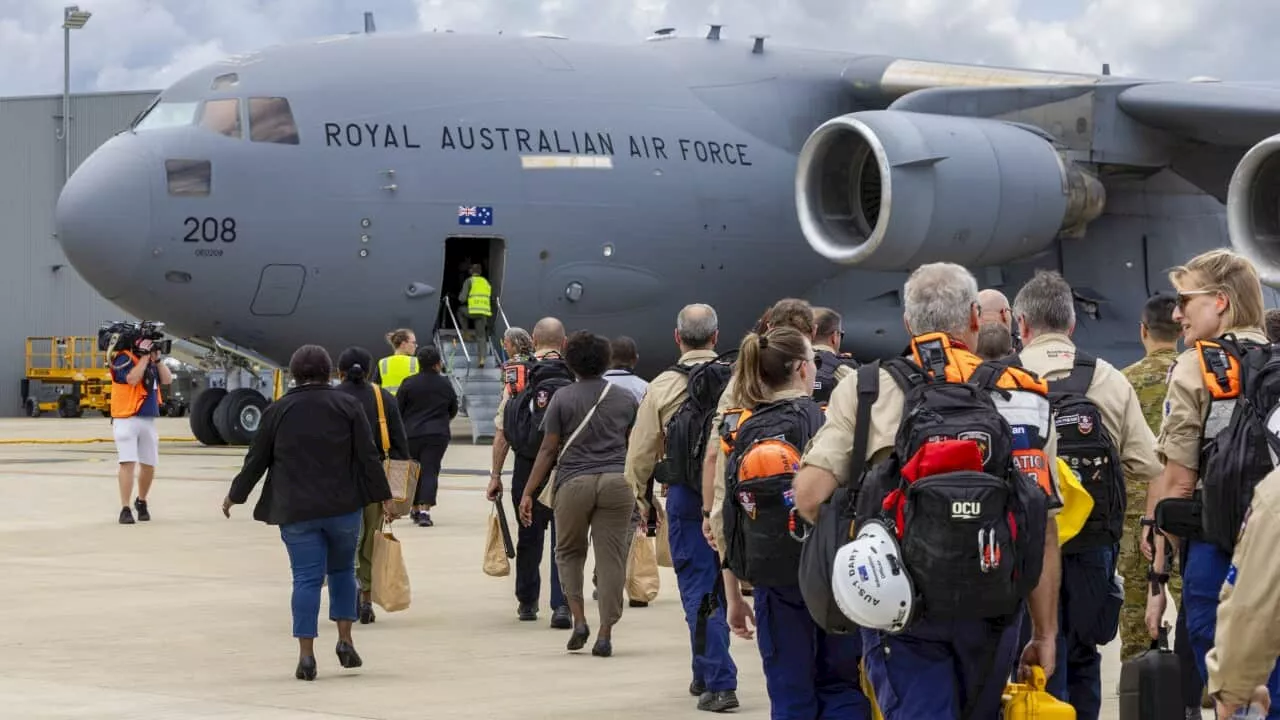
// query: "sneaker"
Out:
[424,519]
[528,612]
[126,516]
[562,619]
[141,505]
[697,688]
[718,702]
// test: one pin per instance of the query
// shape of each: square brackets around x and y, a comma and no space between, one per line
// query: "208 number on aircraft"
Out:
[210,229]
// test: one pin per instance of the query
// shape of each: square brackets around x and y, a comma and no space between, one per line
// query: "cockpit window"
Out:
[271,120]
[222,117]
[168,115]
[189,177]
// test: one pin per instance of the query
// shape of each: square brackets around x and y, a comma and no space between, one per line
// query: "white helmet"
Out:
[870,582]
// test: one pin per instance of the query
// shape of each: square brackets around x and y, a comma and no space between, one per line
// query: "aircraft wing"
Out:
[1230,114]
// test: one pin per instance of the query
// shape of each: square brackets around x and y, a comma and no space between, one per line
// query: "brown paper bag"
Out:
[642,570]
[664,539]
[390,586]
[496,563]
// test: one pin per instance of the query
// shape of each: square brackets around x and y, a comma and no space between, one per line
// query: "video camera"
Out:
[117,336]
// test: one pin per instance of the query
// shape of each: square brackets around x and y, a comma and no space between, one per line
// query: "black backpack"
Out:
[972,539]
[763,532]
[522,418]
[836,522]
[1085,444]
[686,432]
[1246,379]
[824,382]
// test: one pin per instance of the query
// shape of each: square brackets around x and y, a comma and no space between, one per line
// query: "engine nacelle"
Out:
[1253,209]
[891,190]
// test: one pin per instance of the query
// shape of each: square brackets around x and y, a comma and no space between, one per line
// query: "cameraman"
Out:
[136,377]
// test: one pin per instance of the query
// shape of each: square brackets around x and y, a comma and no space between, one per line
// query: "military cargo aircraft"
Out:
[331,190]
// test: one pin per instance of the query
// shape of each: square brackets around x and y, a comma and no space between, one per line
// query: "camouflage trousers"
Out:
[1133,567]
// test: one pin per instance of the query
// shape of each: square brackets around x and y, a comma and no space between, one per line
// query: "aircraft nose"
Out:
[103,216]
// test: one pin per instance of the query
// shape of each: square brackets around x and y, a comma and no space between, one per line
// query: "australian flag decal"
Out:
[475,215]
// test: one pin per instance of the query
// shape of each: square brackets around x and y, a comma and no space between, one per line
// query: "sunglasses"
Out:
[1185,297]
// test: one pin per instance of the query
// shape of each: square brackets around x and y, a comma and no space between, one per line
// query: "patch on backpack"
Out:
[748,502]
[542,398]
[1085,424]
[982,439]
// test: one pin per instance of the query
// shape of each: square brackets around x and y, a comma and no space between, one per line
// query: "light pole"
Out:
[73,18]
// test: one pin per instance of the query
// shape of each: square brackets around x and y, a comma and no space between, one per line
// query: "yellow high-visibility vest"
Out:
[478,302]
[393,369]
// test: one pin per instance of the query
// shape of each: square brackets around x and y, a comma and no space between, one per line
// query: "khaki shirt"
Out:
[1186,406]
[1247,639]
[832,448]
[842,371]
[1149,378]
[667,392]
[1052,355]
[502,404]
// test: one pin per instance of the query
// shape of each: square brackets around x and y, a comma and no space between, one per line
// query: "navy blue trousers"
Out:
[809,674]
[696,569]
[1202,577]
[1086,619]
[932,672]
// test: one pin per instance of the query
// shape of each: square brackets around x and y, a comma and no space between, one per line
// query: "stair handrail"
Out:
[447,359]
[506,324]
[457,329]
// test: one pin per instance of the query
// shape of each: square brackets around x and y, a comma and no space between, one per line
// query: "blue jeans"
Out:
[316,548]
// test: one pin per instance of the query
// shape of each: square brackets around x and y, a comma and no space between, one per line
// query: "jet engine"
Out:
[890,190]
[1253,209]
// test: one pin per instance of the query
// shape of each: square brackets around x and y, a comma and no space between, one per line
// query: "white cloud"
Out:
[133,44]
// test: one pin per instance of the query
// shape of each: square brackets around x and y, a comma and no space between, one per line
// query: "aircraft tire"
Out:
[238,415]
[203,407]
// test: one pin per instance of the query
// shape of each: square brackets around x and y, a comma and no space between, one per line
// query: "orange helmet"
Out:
[768,458]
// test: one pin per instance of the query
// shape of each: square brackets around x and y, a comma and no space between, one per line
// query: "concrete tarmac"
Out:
[187,616]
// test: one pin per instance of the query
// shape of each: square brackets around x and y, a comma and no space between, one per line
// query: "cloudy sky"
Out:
[146,44]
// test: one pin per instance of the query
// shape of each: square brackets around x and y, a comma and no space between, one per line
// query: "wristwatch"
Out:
[706,514]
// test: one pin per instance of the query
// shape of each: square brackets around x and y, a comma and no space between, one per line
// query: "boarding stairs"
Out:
[479,389]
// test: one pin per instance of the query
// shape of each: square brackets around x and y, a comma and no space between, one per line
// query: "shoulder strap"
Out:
[1220,370]
[868,392]
[382,418]
[585,420]
[1081,376]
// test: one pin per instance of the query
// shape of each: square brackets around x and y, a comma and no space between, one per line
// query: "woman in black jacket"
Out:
[428,402]
[354,364]
[322,470]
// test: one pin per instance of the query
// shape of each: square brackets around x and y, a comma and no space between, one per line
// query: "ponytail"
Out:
[765,363]
[749,386]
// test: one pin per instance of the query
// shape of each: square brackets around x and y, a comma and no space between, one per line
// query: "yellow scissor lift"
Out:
[66,374]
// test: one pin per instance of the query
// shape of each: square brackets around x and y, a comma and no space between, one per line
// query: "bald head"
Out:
[696,327]
[995,308]
[548,334]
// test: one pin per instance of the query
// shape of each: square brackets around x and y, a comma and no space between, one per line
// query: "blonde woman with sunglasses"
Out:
[1219,296]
